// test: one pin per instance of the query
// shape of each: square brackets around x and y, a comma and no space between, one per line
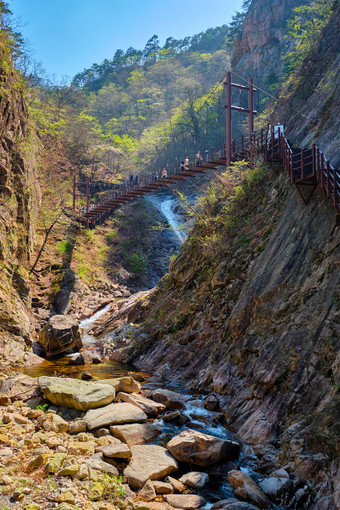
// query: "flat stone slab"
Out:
[116,450]
[112,414]
[136,433]
[150,407]
[201,449]
[149,462]
[76,394]
[185,501]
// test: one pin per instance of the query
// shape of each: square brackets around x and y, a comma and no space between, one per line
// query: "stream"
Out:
[196,416]
[166,203]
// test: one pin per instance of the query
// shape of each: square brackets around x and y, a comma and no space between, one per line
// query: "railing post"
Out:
[328,183]
[313,158]
[334,187]
[251,107]
[318,164]
[272,137]
[321,168]
[302,163]
[228,115]
[291,167]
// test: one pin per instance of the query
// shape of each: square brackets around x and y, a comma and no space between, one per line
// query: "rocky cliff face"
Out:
[259,50]
[19,196]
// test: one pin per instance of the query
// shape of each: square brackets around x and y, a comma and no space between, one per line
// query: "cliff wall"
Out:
[19,198]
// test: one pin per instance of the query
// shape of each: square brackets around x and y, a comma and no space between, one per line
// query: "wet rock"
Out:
[86,376]
[245,488]
[185,501]
[273,486]
[76,394]
[147,493]
[201,449]
[147,405]
[211,402]
[171,415]
[195,479]
[114,414]
[136,433]
[149,462]
[60,335]
[232,504]
[171,399]
[85,358]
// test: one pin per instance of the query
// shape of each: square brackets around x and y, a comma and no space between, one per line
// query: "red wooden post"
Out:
[278,140]
[328,183]
[302,163]
[228,114]
[313,158]
[318,163]
[334,187]
[74,193]
[251,107]
[87,195]
[322,168]
[272,137]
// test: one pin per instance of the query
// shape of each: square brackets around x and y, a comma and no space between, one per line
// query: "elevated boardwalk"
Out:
[307,169]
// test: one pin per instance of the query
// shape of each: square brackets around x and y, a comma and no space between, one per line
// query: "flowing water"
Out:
[166,205]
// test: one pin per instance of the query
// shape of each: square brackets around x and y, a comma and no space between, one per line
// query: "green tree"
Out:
[304,30]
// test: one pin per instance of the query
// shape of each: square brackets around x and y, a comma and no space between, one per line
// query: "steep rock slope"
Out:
[19,197]
[255,318]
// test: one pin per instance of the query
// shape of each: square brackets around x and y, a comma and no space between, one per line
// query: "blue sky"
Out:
[67,36]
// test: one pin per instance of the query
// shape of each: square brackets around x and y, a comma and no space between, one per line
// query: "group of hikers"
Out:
[156,176]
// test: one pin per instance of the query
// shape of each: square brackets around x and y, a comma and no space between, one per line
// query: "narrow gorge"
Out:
[170,323]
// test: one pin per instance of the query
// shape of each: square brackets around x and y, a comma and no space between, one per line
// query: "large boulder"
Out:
[112,414]
[76,394]
[171,399]
[147,405]
[201,449]
[136,433]
[149,462]
[19,387]
[245,488]
[60,335]
[185,501]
